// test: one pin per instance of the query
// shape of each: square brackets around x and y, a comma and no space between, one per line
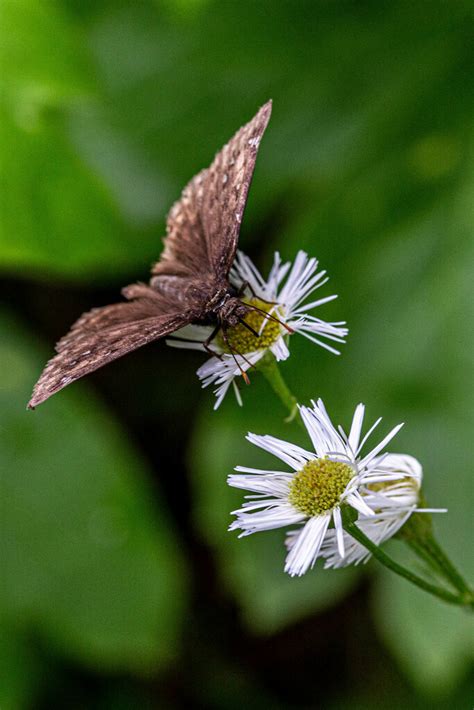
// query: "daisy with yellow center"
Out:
[393,502]
[320,483]
[283,296]
[259,332]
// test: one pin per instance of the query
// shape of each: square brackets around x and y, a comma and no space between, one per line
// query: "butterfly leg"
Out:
[249,327]
[204,343]
[207,342]
[233,353]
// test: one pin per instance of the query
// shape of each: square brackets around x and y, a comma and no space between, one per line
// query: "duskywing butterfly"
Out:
[189,283]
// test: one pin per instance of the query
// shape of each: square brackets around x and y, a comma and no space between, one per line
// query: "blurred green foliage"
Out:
[107,109]
[87,561]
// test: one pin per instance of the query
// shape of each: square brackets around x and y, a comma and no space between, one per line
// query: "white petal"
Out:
[260,518]
[185,344]
[238,396]
[294,456]
[372,428]
[306,546]
[320,302]
[309,325]
[356,501]
[356,428]
[336,515]
[270,484]
[326,439]
[322,344]
[280,350]
[220,393]
[406,465]
[367,459]
[262,471]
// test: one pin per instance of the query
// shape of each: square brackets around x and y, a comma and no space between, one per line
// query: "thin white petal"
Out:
[319,342]
[356,428]
[294,456]
[336,515]
[268,518]
[185,344]
[356,501]
[367,459]
[238,396]
[305,549]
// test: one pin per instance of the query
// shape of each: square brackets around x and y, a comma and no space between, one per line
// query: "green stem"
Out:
[420,551]
[418,534]
[431,551]
[445,595]
[268,366]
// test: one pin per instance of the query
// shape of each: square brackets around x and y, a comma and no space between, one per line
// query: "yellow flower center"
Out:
[318,487]
[242,340]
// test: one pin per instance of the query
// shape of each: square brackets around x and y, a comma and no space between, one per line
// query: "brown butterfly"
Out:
[190,282]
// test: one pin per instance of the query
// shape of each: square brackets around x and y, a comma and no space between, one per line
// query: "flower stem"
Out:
[445,565]
[268,366]
[444,594]
[418,534]
[429,550]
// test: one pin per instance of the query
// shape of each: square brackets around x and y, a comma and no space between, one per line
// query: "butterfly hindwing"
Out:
[105,334]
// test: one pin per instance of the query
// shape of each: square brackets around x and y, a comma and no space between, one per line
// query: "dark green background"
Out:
[120,587]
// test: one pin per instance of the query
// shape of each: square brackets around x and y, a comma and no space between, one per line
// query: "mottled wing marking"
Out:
[105,334]
[185,253]
[224,194]
[203,226]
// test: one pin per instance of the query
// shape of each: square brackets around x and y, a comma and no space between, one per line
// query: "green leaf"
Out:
[111,111]
[88,559]
[41,50]
[70,225]
[60,215]
[431,641]
[20,670]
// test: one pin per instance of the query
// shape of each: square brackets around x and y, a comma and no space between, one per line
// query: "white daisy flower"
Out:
[283,295]
[393,502]
[334,474]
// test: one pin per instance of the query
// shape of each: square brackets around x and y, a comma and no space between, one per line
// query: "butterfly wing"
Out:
[203,225]
[105,334]
[227,185]
[202,232]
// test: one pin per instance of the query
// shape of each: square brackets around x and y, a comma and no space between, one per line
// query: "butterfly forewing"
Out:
[203,226]
[226,190]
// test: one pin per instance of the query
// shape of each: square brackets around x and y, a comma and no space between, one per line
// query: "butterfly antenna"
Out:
[269,315]
[247,284]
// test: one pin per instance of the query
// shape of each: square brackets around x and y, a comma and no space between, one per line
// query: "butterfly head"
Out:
[232,311]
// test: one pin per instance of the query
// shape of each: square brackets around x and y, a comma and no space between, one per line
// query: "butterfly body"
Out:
[190,282]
